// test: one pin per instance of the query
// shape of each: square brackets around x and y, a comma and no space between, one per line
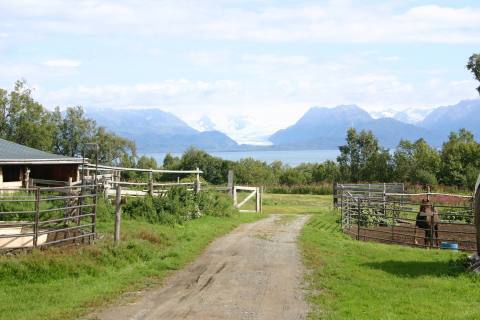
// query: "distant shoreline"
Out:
[288,157]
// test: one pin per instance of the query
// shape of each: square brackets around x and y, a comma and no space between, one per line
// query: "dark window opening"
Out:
[11,173]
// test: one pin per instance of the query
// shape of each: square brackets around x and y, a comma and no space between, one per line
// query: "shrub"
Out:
[215,204]
[178,205]
[317,189]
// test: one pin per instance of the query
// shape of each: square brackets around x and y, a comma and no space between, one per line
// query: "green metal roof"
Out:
[11,152]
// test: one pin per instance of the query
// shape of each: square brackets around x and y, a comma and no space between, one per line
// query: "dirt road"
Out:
[254,272]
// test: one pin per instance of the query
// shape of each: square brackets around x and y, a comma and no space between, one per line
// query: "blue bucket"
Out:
[449,245]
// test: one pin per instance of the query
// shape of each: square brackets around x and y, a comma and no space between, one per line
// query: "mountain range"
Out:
[319,128]
[154,130]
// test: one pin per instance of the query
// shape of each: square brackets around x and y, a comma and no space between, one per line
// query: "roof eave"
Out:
[40,161]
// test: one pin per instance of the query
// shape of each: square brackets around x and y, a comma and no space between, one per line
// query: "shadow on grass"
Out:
[413,269]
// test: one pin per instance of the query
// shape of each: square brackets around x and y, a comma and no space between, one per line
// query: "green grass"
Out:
[349,279]
[295,203]
[64,283]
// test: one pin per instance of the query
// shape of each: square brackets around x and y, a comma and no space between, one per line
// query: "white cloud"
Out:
[168,92]
[334,21]
[275,59]
[62,63]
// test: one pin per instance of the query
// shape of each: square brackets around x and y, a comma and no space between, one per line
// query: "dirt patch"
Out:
[239,276]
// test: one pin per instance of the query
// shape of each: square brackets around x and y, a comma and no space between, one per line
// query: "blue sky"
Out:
[251,67]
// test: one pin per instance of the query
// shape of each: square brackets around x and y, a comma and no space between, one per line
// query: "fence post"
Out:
[197,181]
[118,214]
[94,216]
[359,208]
[235,200]
[335,199]
[261,199]
[341,210]
[384,199]
[393,221]
[257,198]
[150,183]
[37,217]
[230,183]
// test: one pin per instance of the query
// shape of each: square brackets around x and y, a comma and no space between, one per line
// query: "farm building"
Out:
[21,165]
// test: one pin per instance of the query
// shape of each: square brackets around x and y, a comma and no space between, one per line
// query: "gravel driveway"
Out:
[254,272]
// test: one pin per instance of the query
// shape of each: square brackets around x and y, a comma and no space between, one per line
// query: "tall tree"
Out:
[474,66]
[416,162]
[111,148]
[362,158]
[75,130]
[460,159]
[25,121]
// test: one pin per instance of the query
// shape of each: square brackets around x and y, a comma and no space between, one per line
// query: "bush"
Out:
[317,189]
[215,204]
[178,205]
[291,177]
[424,177]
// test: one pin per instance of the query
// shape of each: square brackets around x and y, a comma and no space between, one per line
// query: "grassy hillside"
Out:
[63,283]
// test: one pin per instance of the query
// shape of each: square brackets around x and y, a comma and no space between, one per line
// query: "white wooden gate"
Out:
[254,192]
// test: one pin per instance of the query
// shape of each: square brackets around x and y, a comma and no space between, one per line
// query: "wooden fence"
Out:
[109,177]
[392,217]
[43,216]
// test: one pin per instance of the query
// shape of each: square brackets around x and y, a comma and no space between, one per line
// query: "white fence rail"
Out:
[254,192]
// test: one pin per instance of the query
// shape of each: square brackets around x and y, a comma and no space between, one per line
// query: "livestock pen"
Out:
[392,217]
[43,216]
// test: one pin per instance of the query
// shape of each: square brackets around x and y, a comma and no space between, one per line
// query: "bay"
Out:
[289,157]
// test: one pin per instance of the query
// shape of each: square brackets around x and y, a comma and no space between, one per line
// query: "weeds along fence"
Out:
[43,216]
[392,218]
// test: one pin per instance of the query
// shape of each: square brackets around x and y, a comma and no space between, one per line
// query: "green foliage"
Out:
[474,66]
[25,121]
[73,131]
[177,206]
[111,148]
[460,160]
[145,162]
[253,172]
[362,158]
[317,189]
[105,209]
[291,177]
[416,162]
[215,204]
[214,169]
[171,162]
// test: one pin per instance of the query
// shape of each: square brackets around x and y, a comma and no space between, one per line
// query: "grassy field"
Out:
[65,283]
[295,203]
[349,279]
